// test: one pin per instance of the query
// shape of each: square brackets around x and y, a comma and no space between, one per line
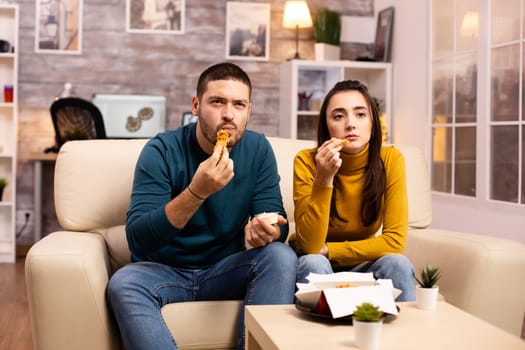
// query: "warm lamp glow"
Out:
[296,14]
[469,26]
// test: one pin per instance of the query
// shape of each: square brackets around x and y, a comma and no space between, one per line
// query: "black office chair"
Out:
[75,119]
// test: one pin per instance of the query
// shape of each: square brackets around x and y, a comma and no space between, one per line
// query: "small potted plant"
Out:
[367,320]
[327,29]
[427,290]
[3,184]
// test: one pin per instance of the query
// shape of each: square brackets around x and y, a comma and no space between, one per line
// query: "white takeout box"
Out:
[343,301]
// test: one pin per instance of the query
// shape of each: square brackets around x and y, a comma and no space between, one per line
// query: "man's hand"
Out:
[213,174]
[259,233]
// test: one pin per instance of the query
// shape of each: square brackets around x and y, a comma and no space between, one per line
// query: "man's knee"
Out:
[282,254]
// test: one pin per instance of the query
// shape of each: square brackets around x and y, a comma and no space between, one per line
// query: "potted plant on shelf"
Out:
[327,29]
[367,320]
[427,290]
[3,184]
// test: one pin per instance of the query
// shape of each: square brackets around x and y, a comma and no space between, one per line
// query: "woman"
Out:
[349,189]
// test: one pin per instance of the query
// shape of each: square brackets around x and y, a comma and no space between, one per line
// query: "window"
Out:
[478,154]
[506,114]
[454,84]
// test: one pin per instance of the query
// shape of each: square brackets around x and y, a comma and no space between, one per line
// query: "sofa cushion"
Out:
[418,187]
[117,245]
[95,203]
[101,206]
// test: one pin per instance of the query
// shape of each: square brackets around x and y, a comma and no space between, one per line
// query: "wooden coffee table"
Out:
[284,327]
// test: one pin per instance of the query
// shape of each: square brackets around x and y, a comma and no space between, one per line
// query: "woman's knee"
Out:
[315,263]
[398,262]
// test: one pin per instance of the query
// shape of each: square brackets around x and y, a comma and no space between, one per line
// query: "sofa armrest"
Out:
[482,275]
[66,277]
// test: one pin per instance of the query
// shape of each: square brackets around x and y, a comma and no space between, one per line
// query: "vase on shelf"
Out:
[327,52]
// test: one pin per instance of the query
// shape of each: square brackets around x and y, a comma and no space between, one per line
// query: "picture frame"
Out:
[58,26]
[248,31]
[383,39]
[155,16]
[188,118]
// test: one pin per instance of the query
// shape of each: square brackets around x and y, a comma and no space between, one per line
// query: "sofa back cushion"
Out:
[93,180]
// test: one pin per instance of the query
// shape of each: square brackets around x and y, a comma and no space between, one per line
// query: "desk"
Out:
[38,159]
[273,327]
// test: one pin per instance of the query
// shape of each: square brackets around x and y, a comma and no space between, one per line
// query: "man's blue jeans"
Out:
[392,266]
[137,291]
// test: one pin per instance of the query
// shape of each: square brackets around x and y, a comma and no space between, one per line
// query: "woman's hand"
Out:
[324,250]
[328,161]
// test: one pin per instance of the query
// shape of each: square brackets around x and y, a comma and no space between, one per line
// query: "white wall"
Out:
[410,61]
[409,58]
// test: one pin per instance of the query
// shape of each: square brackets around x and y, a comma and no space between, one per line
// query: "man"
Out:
[192,209]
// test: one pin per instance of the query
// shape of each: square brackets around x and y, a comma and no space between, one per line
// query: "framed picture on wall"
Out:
[385,23]
[58,27]
[247,31]
[155,16]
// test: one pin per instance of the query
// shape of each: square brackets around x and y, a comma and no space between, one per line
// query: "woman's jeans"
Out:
[396,267]
[137,292]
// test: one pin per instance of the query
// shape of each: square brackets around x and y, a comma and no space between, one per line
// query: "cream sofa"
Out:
[67,271]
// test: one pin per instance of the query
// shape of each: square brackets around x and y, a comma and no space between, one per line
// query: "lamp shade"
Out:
[469,25]
[296,15]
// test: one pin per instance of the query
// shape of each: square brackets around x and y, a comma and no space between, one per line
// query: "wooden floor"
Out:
[15,326]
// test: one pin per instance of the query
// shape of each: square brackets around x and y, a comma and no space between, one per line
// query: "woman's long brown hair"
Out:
[375,176]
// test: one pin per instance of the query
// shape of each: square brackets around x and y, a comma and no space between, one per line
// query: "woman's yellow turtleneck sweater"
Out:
[349,242]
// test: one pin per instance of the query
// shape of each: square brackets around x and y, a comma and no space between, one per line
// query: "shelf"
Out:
[316,78]
[309,113]
[8,132]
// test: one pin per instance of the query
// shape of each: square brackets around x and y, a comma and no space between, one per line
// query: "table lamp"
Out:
[296,15]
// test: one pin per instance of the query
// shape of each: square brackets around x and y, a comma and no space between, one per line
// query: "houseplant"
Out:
[3,184]
[367,320]
[327,29]
[427,290]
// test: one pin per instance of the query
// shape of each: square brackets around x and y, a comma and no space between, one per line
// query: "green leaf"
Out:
[327,26]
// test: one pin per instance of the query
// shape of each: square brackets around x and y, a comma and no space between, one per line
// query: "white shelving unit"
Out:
[317,78]
[8,132]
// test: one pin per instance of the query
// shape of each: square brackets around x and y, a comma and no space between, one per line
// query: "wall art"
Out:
[155,16]
[247,31]
[58,27]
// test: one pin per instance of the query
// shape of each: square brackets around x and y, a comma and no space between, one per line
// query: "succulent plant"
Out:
[3,182]
[428,277]
[367,312]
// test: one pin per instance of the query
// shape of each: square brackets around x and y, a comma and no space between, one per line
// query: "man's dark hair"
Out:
[222,71]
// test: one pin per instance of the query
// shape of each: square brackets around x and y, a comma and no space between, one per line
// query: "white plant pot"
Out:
[326,52]
[367,335]
[426,298]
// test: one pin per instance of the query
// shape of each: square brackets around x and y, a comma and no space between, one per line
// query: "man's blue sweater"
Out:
[164,169]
